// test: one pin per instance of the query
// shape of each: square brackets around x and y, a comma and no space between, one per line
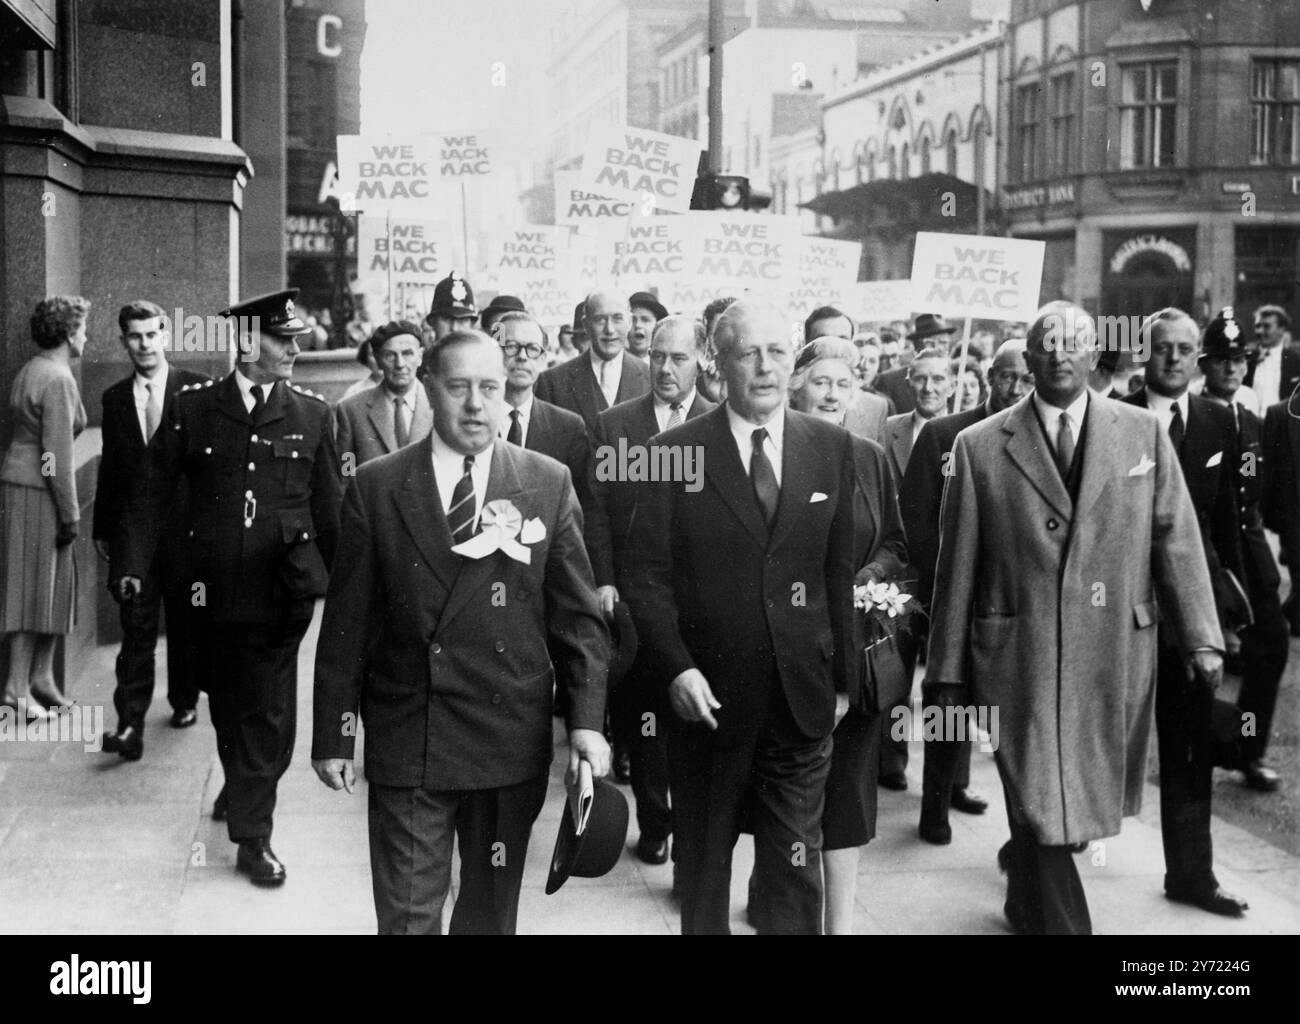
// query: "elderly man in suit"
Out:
[741,589]
[606,375]
[946,774]
[461,558]
[1204,438]
[1032,570]
[675,350]
[929,331]
[134,408]
[394,414]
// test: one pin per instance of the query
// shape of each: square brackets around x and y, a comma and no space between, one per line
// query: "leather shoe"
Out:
[258,861]
[1260,776]
[652,851]
[967,802]
[184,718]
[897,781]
[127,742]
[220,805]
[937,832]
[1211,899]
[622,766]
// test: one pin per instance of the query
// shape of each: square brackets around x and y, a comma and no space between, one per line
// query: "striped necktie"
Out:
[460,516]
[675,415]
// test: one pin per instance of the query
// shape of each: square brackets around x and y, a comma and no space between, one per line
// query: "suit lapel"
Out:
[380,412]
[420,506]
[1102,451]
[646,425]
[722,464]
[1027,448]
[632,381]
[503,482]
[422,421]
[591,400]
[900,444]
[538,428]
[799,463]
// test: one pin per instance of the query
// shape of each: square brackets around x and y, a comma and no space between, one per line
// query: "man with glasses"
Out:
[394,414]
[604,376]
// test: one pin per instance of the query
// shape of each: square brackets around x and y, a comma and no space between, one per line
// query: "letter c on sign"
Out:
[323,25]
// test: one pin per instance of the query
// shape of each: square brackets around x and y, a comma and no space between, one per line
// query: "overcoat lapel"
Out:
[1027,448]
[1103,453]
[380,411]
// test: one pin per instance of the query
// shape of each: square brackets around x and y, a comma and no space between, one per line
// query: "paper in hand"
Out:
[582,792]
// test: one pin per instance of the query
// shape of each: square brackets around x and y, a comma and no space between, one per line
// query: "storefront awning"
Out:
[886,198]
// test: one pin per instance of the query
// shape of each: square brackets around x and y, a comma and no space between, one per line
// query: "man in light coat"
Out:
[1065,520]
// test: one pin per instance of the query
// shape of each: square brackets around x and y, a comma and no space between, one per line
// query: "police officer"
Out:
[265,487]
[453,309]
[1265,643]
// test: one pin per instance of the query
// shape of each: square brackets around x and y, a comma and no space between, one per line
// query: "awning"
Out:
[34,23]
[887,198]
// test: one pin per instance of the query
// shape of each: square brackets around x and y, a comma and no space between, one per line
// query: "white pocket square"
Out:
[1215,459]
[816,497]
[1143,467]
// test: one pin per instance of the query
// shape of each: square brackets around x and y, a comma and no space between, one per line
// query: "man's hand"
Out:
[692,699]
[841,706]
[608,597]
[1208,666]
[65,535]
[335,772]
[590,746]
[125,587]
[102,547]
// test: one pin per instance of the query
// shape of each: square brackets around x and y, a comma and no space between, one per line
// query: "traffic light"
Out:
[727,192]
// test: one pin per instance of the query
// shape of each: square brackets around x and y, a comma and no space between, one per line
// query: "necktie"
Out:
[516,433]
[258,402]
[460,517]
[1177,428]
[1065,446]
[151,413]
[401,431]
[604,380]
[763,477]
[675,416]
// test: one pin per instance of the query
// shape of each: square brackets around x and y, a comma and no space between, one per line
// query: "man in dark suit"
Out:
[930,329]
[605,375]
[1264,643]
[264,486]
[676,347]
[1276,369]
[460,558]
[1282,492]
[946,774]
[392,414]
[1204,437]
[741,589]
[134,408]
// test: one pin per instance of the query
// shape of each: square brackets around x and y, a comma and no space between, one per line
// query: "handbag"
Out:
[886,680]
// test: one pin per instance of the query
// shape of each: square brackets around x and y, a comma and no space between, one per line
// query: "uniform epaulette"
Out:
[309,394]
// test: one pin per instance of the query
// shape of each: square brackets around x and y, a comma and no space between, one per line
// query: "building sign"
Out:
[1140,244]
[1037,196]
[1146,270]
[311,235]
[1236,188]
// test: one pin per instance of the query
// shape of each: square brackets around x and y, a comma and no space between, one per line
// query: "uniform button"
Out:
[1052,524]
[496,698]
[293,455]
[306,536]
[253,439]
[207,451]
[436,648]
[500,646]
[251,467]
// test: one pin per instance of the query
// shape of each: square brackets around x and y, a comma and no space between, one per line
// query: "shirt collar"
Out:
[685,402]
[597,362]
[158,380]
[407,399]
[246,386]
[445,454]
[1076,410]
[1159,403]
[742,428]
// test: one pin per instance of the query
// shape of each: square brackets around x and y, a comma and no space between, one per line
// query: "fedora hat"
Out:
[598,849]
[928,325]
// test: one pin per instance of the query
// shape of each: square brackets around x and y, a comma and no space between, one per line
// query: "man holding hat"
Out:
[893,384]
[1264,643]
[453,309]
[646,312]
[264,483]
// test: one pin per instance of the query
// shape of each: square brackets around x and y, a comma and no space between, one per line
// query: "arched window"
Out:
[893,161]
[859,163]
[980,148]
[903,168]
[950,144]
[834,171]
[925,155]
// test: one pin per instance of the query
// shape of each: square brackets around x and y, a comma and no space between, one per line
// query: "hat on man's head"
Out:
[453,297]
[647,301]
[276,313]
[1224,337]
[504,304]
[598,849]
[928,325]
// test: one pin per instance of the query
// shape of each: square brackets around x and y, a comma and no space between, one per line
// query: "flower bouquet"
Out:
[888,615]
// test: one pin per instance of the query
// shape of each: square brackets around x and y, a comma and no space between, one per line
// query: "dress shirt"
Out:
[449,467]
[408,403]
[525,417]
[743,431]
[613,374]
[159,384]
[246,390]
[1268,376]
[1050,416]
[1163,407]
[664,410]
[917,424]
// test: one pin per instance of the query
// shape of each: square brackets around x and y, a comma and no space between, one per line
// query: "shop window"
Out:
[1275,112]
[1026,141]
[1061,99]
[1148,114]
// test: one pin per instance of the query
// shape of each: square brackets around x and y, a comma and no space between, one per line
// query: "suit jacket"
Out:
[897,443]
[264,494]
[446,656]
[615,504]
[893,385]
[1281,477]
[573,386]
[1017,622]
[1209,461]
[1252,471]
[365,425]
[1290,378]
[125,457]
[710,589]
[921,492]
[866,416]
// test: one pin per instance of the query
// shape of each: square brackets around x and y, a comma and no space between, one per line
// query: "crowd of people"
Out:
[706,640]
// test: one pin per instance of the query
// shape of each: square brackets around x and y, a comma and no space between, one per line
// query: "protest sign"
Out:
[464,155]
[421,252]
[879,302]
[574,205]
[529,249]
[731,254]
[649,168]
[382,171]
[977,276]
[649,254]
[821,274]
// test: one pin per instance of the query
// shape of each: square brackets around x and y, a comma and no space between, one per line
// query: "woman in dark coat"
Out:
[38,495]
[823,385]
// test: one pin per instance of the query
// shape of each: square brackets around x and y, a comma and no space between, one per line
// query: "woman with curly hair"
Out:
[39,511]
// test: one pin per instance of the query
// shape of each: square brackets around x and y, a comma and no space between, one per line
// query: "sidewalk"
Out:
[90,844]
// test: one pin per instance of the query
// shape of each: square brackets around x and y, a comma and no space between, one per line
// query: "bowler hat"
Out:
[647,301]
[928,325]
[275,312]
[504,304]
[1224,337]
[453,297]
[598,849]
[625,642]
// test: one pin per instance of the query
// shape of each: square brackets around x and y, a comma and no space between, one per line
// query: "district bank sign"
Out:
[1150,243]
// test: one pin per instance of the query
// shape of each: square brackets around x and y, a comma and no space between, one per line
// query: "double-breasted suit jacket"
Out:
[1029,586]
[366,426]
[446,656]
[573,386]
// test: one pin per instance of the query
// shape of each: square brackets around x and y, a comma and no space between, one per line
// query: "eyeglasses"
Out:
[531,350]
